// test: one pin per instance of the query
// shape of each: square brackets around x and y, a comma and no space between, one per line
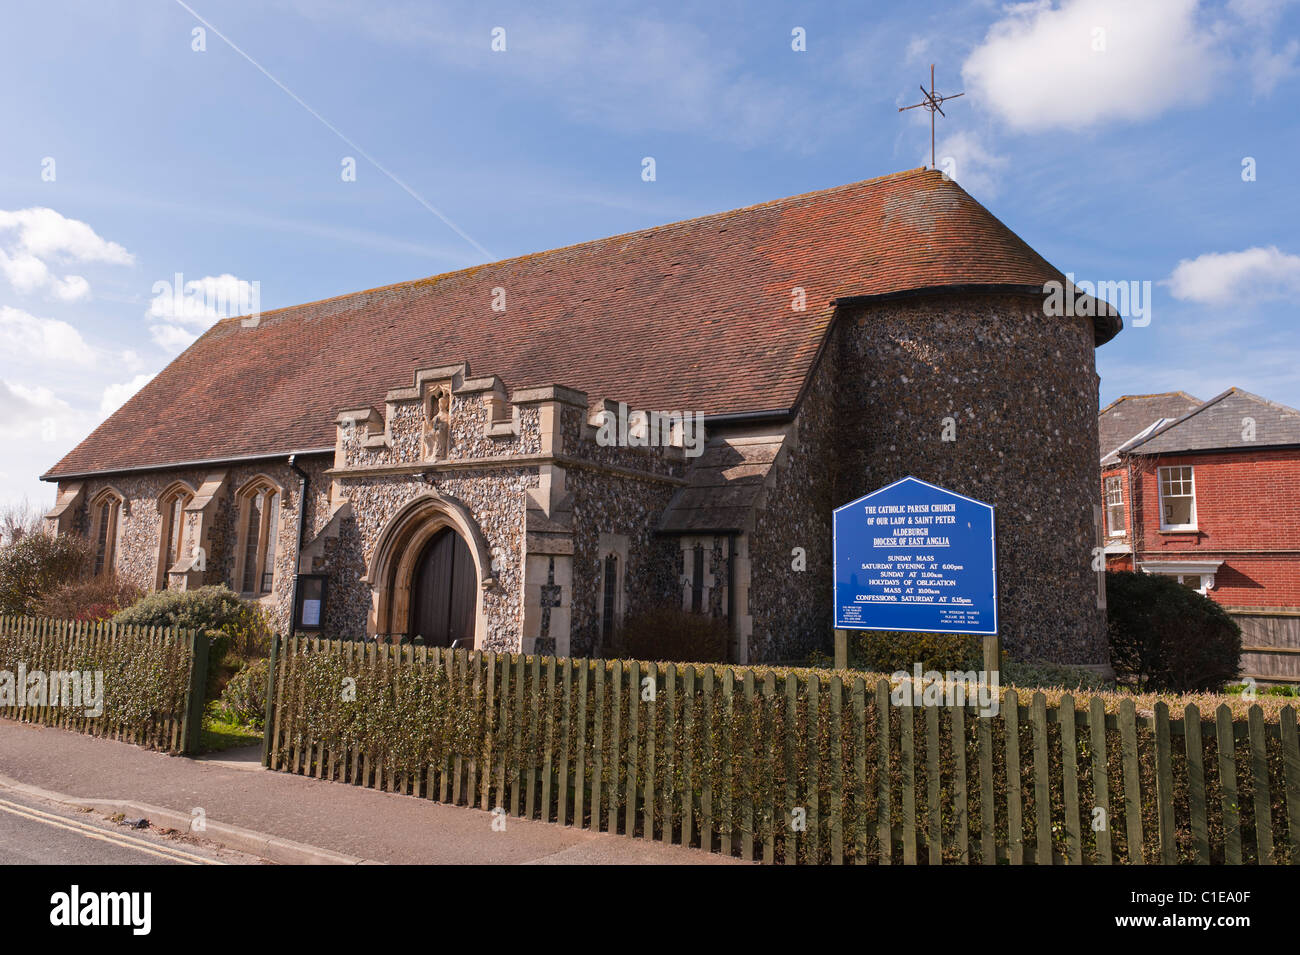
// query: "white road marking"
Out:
[94,832]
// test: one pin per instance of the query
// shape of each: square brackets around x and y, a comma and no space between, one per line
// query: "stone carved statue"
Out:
[437,424]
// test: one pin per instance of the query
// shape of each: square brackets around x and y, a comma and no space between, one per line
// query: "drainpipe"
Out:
[303,482]
[1132,512]
[731,596]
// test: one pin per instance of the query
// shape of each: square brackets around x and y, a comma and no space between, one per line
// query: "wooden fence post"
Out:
[192,731]
[269,726]
[992,655]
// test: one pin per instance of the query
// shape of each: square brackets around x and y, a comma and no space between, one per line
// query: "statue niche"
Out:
[437,424]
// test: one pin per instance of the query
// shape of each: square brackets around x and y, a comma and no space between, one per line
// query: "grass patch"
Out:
[219,735]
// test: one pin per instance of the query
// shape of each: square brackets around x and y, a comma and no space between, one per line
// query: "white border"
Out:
[835,558]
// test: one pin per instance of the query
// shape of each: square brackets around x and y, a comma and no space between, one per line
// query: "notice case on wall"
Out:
[309,613]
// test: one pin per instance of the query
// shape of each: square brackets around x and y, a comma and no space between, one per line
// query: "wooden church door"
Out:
[443,592]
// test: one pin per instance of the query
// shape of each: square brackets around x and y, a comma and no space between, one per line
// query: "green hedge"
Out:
[430,723]
[237,628]
[145,671]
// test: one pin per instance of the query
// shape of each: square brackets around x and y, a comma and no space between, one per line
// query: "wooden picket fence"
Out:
[787,766]
[154,679]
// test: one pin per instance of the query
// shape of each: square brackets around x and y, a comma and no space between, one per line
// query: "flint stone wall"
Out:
[140,524]
[1021,389]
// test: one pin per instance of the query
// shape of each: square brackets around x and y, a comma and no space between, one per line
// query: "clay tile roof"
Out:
[690,316]
[723,485]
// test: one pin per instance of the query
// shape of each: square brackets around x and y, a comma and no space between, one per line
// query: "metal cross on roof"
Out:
[932,102]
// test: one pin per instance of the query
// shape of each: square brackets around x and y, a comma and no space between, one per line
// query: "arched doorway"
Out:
[458,568]
[444,592]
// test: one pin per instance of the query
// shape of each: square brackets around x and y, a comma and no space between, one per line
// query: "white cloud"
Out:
[36,414]
[117,395]
[32,238]
[24,337]
[1225,278]
[204,301]
[965,158]
[45,234]
[26,273]
[70,289]
[38,428]
[172,338]
[1038,68]
[188,311]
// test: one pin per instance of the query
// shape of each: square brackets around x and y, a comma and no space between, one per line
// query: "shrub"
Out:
[244,698]
[890,651]
[36,565]
[672,635]
[1165,636]
[144,682]
[231,624]
[1050,675]
[92,598]
[212,608]
[19,519]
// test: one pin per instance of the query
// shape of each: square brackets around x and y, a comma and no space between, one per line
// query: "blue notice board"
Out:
[913,556]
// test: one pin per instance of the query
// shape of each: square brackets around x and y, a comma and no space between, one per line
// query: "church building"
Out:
[527,454]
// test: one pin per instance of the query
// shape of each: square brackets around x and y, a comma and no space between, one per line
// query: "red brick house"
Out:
[1209,493]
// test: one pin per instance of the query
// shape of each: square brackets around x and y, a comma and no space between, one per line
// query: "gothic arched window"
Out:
[105,515]
[171,534]
[259,523]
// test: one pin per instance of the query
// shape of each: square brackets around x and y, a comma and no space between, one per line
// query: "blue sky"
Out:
[1110,134]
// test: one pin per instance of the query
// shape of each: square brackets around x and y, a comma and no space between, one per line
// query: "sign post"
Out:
[841,649]
[912,556]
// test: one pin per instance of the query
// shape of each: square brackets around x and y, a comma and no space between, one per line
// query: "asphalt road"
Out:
[33,832]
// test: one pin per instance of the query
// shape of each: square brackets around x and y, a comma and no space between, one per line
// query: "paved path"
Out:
[361,823]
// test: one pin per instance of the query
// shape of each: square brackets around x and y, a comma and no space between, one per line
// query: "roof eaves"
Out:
[173,465]
[1158,394]
[1107,323]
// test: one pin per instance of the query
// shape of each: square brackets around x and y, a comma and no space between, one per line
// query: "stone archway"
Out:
[397,561]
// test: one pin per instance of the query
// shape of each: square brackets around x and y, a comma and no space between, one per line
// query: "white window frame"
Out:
[1119,488]
[1160,487]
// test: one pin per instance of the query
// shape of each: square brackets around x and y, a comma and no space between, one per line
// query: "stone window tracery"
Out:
[258,530]
[172,535]
[105,513]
